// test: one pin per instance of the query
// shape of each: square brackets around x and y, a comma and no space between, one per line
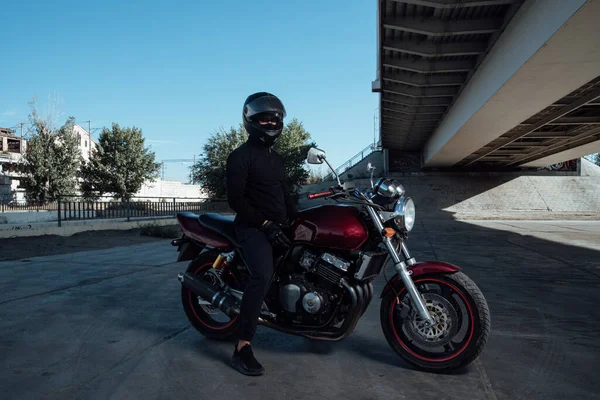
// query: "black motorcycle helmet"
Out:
[263,116]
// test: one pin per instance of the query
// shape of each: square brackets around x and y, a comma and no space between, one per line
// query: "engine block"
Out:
[327,266]
[328,273]
[298,295]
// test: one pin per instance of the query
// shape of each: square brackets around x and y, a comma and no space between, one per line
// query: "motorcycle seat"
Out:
[221,225]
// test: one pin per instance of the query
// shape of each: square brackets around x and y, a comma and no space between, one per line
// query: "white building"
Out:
[11,147]
[87,144]
[11,151]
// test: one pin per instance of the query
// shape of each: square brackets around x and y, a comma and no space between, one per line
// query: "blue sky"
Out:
[181,69]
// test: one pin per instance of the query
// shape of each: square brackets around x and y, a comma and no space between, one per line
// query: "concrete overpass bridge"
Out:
[489,84]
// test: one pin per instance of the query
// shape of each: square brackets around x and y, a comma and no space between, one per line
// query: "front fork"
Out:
[402,270]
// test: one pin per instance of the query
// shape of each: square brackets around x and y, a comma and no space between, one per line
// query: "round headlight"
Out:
[410,214]
[405,213]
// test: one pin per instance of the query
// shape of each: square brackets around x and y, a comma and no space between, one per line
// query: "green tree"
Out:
[119,165]
[293,144]
[209,170]
[50,163]
[316,175]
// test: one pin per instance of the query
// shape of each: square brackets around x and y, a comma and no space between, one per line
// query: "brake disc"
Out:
[445,326]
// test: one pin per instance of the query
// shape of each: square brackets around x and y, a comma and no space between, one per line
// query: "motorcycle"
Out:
[431,313]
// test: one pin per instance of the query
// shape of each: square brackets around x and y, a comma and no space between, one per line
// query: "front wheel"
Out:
[462,322]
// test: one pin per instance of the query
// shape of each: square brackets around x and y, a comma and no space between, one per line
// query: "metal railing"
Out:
[72,209]
[78,209]
[353,161]
[12,206]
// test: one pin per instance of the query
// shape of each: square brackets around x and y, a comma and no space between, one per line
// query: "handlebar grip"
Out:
[320,194]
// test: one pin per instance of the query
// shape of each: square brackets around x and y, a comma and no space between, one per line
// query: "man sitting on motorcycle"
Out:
[256,191]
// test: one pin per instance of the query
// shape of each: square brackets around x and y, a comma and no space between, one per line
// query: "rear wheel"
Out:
[208,320]
[462,322]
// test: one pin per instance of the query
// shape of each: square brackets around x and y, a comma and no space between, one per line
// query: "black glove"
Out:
[275,235]
[288,222]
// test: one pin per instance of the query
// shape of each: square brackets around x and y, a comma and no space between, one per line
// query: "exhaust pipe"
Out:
[217,298]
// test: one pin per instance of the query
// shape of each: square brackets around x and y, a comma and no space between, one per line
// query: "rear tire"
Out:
[197,314]
[402,334]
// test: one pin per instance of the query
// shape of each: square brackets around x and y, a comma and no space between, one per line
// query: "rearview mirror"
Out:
[371,169]
[315,156]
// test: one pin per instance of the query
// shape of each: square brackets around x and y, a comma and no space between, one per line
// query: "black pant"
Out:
[258,253]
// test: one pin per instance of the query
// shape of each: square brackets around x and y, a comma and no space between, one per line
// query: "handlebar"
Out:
[332,191]
[312,196]
[351,194]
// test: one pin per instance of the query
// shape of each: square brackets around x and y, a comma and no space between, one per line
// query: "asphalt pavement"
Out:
[108,324]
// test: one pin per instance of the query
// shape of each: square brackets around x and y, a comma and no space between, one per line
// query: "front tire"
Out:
[462,328]
[202,316]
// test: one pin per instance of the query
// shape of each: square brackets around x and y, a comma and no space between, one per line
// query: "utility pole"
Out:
[21,141]
[193,165]
[90,144]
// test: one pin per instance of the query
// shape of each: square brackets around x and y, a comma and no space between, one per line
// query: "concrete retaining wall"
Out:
[441,196]
[588,168]
[504,197]
[28,217]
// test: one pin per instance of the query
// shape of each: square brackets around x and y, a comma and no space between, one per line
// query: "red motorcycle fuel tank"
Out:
[333,226]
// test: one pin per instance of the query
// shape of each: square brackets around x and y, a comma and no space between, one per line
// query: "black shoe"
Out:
[245,362]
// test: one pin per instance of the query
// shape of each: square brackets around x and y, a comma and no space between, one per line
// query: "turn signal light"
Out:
[389,232]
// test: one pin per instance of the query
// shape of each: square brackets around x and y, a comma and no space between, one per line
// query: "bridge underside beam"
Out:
[567,154]
[426,53]
[542,91]
[458,3]
[577,127]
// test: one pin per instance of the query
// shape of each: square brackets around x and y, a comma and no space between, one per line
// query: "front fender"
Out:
[421,268]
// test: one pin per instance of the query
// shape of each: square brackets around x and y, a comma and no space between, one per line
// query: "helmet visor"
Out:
[265,104]
[270,123]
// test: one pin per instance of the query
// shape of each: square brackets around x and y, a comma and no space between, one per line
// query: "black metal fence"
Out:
[8,206]
[77,209]
[71,209]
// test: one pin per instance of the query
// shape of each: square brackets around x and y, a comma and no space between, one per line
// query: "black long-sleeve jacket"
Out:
[256,188]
